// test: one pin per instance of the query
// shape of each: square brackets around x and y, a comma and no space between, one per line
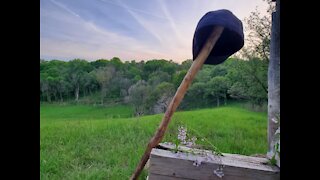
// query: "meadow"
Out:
[92,142]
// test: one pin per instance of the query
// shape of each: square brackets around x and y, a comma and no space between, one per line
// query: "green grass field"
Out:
[86,142]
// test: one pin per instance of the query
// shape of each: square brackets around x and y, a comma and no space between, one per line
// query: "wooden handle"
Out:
[195,67]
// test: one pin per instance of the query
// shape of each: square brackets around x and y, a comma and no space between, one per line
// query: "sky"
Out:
[128,29]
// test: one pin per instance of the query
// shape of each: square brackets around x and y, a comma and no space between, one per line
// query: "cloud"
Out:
[84,39]
[146,25]
[75,37]
[65,8]
[134,9]
[168,16]
[171,43]
[139,30]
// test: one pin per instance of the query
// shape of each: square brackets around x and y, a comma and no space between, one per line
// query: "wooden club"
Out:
[195,67]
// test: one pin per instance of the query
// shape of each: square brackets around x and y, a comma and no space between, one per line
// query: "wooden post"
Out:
[274,78]
[195,67]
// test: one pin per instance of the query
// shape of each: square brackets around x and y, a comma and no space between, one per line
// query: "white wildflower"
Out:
[182,135]
[191,142]
[204,155]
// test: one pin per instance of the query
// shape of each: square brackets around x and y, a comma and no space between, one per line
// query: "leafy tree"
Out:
[195,96]
[160,98]
[117,63]
[89,83]
[61,80]
[120,86]
[157,77]
[218,70]
[178,77]
[248,80]
[185,65]
[217,87]
[204,74]
[259,28]
[76,70]
[138,94]
[103,76]
[257,52]
[99,63]
[159,65]
[44,86]
[238,91]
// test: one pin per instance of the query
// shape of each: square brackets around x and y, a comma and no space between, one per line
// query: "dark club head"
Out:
[230,41]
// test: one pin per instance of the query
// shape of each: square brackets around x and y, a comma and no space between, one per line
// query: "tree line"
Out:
[150,85]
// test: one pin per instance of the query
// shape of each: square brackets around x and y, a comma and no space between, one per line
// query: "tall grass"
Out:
[86,142]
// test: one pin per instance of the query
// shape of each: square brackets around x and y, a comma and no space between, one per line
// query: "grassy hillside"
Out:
[86,142]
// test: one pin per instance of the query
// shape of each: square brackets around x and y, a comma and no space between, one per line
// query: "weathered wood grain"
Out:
[240,159]
[168,164]
[163,177]
[274,80]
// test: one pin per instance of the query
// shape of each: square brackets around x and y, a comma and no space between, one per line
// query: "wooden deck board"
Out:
[167,164]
